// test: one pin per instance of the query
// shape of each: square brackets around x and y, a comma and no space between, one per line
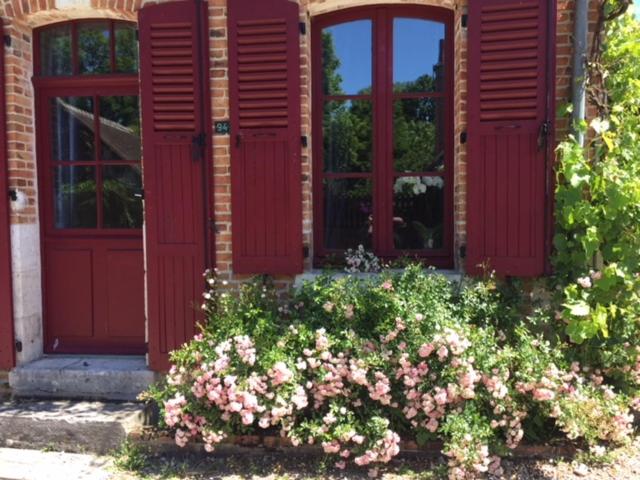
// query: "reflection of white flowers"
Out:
[417,185]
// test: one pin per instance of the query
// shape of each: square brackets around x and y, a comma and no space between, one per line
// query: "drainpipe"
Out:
[579,79]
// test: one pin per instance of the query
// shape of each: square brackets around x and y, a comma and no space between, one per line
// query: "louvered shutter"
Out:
[7,352]
[264,79]
[508,98]
[174,105]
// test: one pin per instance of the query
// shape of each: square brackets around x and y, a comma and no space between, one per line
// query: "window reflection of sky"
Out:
[416,51]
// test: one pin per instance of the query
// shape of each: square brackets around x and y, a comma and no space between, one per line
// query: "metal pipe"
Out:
[579,77]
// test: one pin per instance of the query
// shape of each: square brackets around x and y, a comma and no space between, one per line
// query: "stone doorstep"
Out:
[162,443]
[84,377]
[76,427]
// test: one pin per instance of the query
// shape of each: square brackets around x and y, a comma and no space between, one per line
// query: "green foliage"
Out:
[598,214]
[355,362]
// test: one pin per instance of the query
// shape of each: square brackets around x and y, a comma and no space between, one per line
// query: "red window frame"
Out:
[80,85]
[382,97]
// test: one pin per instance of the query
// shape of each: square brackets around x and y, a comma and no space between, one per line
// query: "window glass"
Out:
[55,50]
[418,137]
[126,48]
[418,213]
[72,127]
[119,128]
[418,55]
[121,207]
[74,197]
[347,136]
[94,51]
[348,213]
[346,58]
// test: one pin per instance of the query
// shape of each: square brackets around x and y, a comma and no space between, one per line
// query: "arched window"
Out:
[383,132]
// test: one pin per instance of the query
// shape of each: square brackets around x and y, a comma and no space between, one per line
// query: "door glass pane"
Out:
[418,55]
[93,47]
[55,50]
[126,48]
[418,213]
[348,213]
[74,190]
[346,58]
[347,136]
[72,128]
[418,137]
[119,128]
[122,209]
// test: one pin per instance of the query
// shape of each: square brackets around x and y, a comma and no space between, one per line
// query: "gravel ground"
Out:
[36,465]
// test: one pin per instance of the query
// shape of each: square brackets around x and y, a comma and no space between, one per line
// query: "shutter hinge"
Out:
[18,346]
[198,143]
[463,137]
[464,20]
[463,251]
[305,141]
[543,134]
[303,28]
[7,40]
[305,251]
[13,195]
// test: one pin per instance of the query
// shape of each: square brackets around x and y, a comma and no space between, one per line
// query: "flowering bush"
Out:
[355,364]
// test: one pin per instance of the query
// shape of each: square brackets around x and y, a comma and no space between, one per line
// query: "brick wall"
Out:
[21,16]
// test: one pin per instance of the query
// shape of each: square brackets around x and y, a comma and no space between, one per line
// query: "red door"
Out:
[510,97]
[7,355]
[89,162]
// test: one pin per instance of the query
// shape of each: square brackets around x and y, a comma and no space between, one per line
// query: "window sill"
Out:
[454,276]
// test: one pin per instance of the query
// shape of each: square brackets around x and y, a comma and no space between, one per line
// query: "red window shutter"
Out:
[7,353]
[173,70]
[264,80]
[508,98]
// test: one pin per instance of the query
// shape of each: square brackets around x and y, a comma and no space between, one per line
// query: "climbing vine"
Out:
[597,241]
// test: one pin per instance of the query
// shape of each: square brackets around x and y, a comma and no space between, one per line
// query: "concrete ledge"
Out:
[69,426]
[82,377]
[159,442]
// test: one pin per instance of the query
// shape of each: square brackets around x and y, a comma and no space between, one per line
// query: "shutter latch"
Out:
[198,143]
[543,134]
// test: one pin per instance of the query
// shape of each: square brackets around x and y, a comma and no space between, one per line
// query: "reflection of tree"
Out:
[94,49]
[348,124]
[126,49]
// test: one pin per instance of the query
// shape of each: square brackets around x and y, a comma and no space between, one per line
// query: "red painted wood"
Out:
[173,43]
[383,175]
[264,80]
[508,103]
[7,352]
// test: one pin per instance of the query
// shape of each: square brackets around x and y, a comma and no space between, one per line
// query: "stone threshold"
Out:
[89,377]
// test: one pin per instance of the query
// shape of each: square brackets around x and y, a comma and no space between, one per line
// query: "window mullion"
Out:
[97,155]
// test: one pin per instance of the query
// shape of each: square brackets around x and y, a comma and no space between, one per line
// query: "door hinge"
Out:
[303,28]
[543,134]
[198,142]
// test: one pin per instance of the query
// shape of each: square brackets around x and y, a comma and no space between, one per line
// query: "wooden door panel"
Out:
[509,102]
[175,109]
[69,294]
[125,294]
[265,116]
